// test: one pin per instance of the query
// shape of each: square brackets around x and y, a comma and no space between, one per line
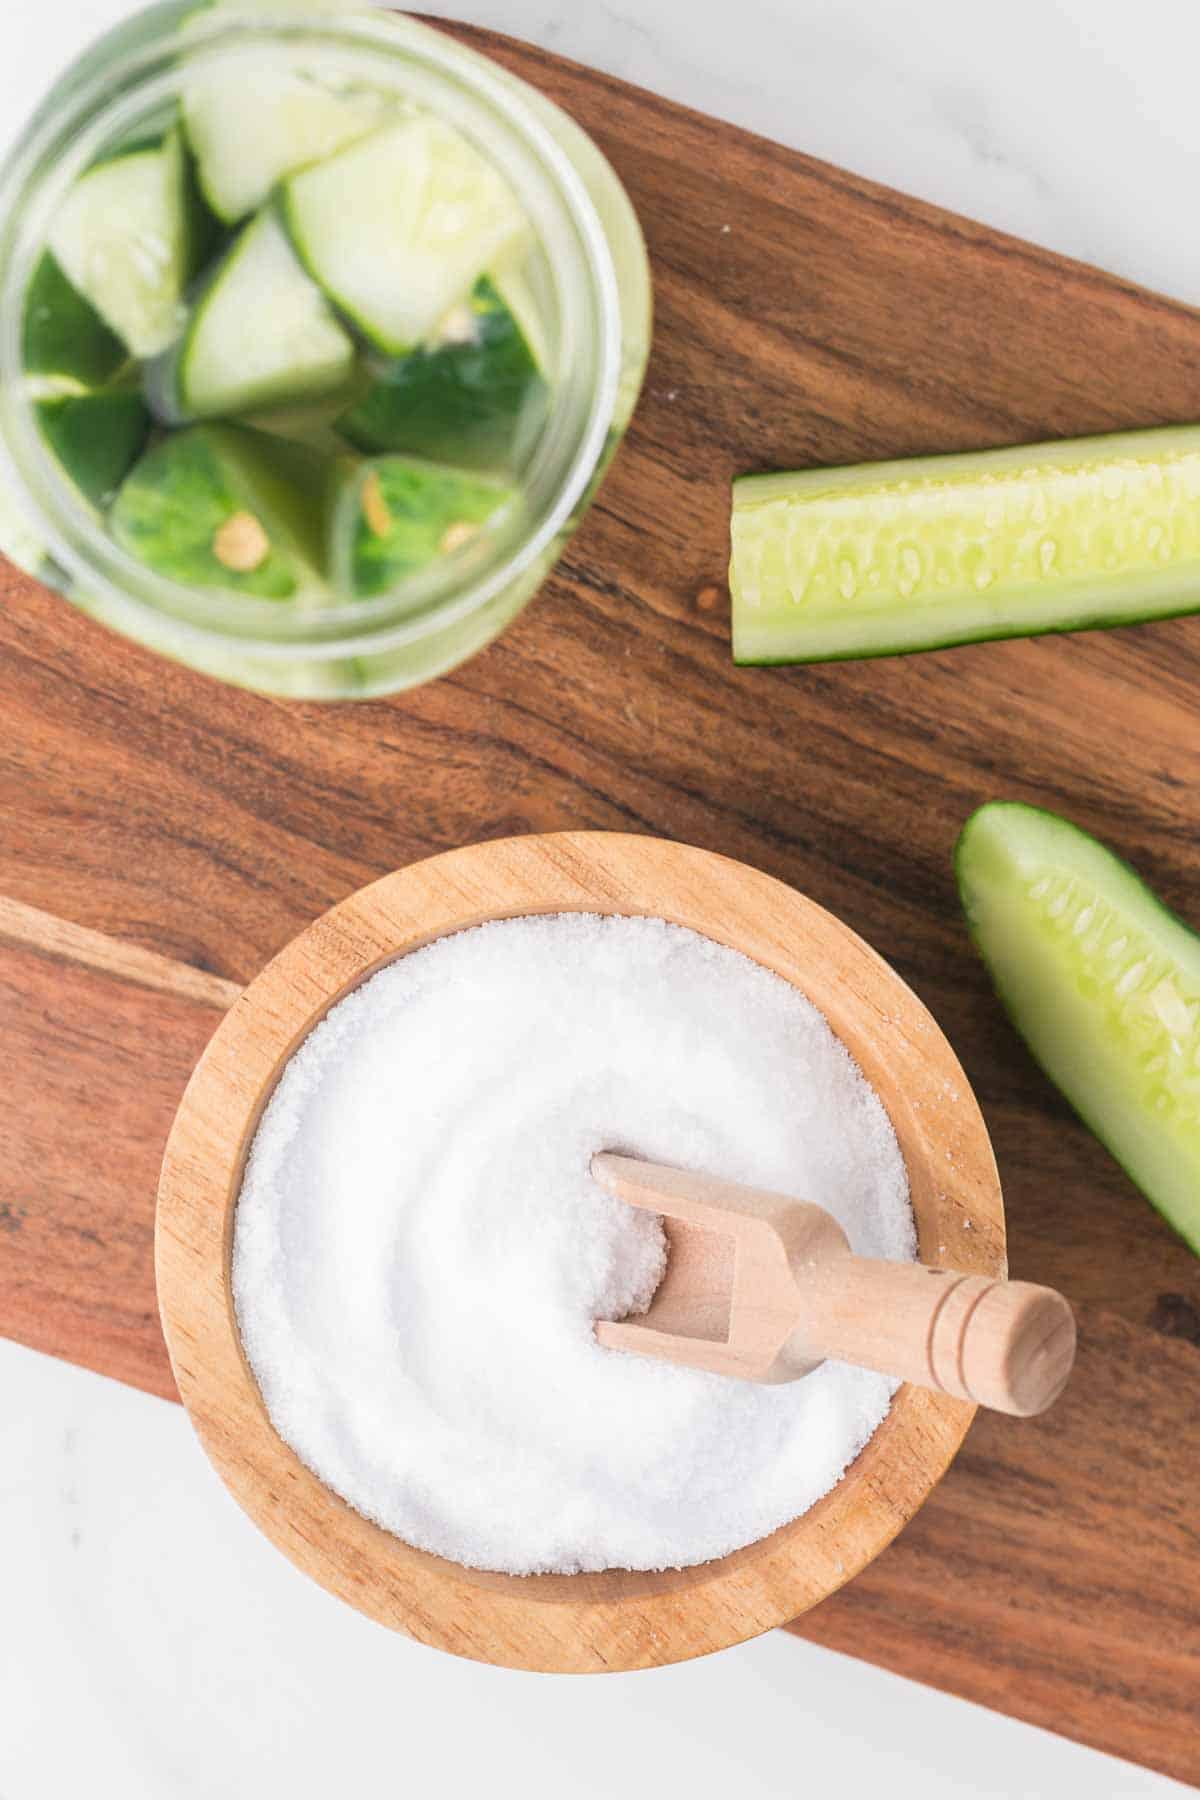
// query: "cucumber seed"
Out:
[456,535]
[458,326]
[375,507]
[241,544]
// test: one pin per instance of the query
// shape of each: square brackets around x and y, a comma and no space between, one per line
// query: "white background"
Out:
[151,1646]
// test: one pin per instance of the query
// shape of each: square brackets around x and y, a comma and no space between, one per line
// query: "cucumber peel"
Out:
[1102,982]
[63,337]
[261,335]
[474,396]
[79,379]
[889,558]
[128,237]
[96,437]
[400,226]
[397,515]
[223,506]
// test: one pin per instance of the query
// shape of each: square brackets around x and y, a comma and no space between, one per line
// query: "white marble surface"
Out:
[152,1647]
[1073,122]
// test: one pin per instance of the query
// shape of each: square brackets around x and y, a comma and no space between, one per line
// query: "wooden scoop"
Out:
[764,1287]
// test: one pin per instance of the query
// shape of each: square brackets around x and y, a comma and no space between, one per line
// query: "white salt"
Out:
[420,1250]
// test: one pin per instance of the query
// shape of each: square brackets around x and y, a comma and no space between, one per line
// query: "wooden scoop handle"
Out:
[787,1294]
[1009,1345]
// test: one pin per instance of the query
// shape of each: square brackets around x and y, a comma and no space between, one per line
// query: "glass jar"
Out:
[593,300]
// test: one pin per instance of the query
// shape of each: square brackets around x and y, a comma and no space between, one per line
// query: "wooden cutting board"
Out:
[190,830]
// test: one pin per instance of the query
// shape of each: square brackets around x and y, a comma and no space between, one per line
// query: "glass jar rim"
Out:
[97,100]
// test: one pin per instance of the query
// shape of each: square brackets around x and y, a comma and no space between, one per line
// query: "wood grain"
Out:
[1053,1575]
[1054,1572]
[60,941]
[93,1066]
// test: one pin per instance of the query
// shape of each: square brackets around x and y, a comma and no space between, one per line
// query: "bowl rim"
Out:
[618,1619]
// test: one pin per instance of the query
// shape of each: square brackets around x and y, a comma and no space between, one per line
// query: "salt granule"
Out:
[420,1250]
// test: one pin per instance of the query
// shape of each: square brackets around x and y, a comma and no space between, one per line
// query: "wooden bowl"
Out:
[618,1619]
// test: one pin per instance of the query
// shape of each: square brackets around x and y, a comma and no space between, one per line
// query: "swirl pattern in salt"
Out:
[420,1250]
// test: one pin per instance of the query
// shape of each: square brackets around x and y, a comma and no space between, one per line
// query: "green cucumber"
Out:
[398,228]
[63,337]
[474,396]
[1102,982]
[96,437]
[261,335]
[527,290]
[222,506]
[254,124]
[396,516]
[314,422]
[894,557]
[128,238]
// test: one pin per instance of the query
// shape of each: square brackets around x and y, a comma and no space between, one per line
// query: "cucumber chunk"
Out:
[314,422]
[527,290]
[895,557]
[261,335]
[397,515]
[96,437]
[399,227]
[127,238]
[1102,982]
[63,337]
[252,126]
[474,396]
[222,506]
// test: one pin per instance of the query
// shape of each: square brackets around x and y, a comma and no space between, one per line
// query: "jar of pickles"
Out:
[317,331]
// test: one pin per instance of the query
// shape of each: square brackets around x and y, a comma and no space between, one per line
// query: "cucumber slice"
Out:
[895,557]
[222,506]
[63,337]
[251,127]
[397,515]
[399,228]
[127,238]
[1102,982]
[262,335]
[474,396]
[96,437]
